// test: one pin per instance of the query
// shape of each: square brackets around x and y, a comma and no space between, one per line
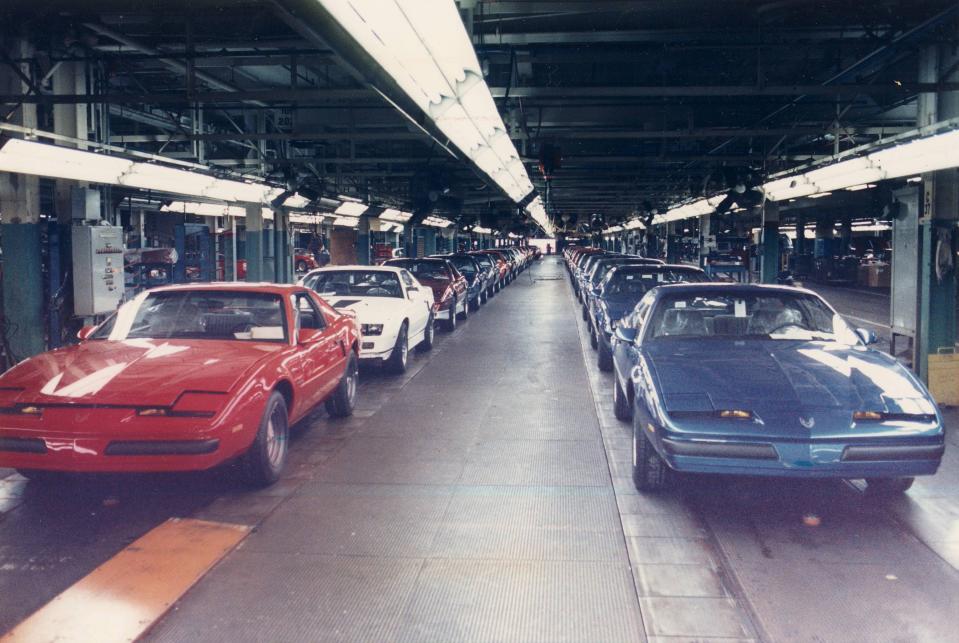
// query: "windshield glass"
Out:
[435,270]
[198,314]
[464,265]
[628,284]
[782,316]
[358,283]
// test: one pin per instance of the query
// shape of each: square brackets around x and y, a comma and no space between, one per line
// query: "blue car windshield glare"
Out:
[781,316]
[633,285]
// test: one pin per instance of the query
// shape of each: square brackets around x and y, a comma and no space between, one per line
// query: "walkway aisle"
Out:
[477,504]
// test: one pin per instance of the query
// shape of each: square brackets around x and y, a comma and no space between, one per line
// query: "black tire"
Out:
[621,406]
[451,322]
[301,266]
[429,334]
[585,312]
[399,357]
[466,308]
[888,486]
[650,473]
[264,461]
[604,357]
[593,341]
[343,400]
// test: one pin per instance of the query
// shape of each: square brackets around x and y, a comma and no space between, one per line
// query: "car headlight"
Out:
[371,329]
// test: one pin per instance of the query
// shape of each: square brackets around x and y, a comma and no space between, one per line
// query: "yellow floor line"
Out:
[122,598]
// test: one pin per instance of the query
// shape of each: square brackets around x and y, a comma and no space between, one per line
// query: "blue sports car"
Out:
[766,380]
[618,293]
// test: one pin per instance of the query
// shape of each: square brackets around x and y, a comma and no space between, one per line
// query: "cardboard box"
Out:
[944,378]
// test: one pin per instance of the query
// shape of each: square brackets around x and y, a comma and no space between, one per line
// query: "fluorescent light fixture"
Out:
[482,230]
[864,186]
[352,199]
[914,179]
[349,222]
[424,48]
[41,159]
[437,222]
[351,209]
[820,195]
[392,214]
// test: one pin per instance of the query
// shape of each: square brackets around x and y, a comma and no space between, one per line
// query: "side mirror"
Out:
[868,337]
[309,336]
[411,292]
[625,334]
[85,332]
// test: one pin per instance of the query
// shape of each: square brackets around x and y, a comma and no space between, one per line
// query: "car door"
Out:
[416,303]
[626,354]
[320,360]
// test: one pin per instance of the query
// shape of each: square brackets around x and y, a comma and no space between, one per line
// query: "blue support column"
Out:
[22,289]
[179,244]
[363,242]
[769,270]
[429,241]
[254,243]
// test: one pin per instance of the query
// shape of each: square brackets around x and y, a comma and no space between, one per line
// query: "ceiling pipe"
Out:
[173,64]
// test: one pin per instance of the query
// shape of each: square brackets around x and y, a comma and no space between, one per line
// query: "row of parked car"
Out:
[748,379]
[192,376]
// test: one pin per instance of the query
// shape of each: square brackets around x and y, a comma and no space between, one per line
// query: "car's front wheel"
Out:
[265,459]
[621,406]
[451,322]
[428,335]
[604,355]
[396,363]
[650,472]
[466,308]
[301,266]
[888,486]
[343,400]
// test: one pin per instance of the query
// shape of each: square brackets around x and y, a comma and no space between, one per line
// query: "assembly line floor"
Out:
[485,496]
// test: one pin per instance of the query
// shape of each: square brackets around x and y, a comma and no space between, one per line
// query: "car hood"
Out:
[777,379]
[438,286]
[368,310]
[132,372]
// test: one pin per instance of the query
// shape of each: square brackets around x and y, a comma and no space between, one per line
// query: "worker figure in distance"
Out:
[549,249]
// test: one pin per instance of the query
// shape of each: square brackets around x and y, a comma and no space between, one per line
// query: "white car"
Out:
[394,311]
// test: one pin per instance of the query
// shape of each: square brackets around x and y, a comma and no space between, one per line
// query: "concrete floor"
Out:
[485,495]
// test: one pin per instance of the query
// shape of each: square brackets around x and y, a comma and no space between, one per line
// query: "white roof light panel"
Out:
[351,209]
[29,157]
[441,28]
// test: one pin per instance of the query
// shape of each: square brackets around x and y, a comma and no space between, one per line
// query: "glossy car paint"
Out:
[90,393]
[802,393]
[445,292]
[475,278]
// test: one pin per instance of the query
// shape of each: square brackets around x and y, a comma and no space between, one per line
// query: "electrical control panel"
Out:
[97,269]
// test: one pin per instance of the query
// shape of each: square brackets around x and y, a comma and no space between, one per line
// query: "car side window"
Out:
[307,314]
[407,278]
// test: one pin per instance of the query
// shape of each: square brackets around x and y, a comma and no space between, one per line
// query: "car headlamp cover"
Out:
[371,329]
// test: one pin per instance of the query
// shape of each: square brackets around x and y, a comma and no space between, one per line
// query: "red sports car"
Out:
[182,378]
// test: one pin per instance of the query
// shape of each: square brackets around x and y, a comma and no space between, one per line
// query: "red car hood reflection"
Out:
[438,286]
[133,372]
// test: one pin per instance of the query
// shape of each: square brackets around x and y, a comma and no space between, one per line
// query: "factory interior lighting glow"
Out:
[437,222]
[41,159]
[537,211]
[392,214]
[916,156]
[424,48]
[351,209]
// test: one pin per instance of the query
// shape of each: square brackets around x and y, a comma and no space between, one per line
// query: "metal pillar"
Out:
[282,247]
[769,269]
[363,242]
[938,224]
[20,231]
[429,241]
[229,251]
[254,242]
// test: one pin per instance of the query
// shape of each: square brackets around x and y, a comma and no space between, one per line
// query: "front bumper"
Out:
[122,442]
[802,459]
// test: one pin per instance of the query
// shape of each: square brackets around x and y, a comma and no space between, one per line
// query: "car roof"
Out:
[732,288]
[646,267]
[352,267]
[233,286]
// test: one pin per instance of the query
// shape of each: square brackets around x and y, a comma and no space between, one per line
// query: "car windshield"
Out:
[773,315]
[198,314]
[358,283]
[483,260]
[435,270]
[630,284]
[464,265]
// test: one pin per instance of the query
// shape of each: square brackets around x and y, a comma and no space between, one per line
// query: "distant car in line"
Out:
[394,311]
[450,300]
